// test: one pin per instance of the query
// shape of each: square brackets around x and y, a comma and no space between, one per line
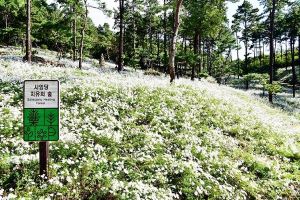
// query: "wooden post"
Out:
[44,157]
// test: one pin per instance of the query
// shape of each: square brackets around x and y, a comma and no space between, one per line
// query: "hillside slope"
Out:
[130,136]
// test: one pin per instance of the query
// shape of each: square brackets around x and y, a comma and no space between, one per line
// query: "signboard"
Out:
[41,110]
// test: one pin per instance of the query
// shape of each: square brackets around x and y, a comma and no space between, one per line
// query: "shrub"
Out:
[273,88]
[44,46]
[203,75]
[152,72]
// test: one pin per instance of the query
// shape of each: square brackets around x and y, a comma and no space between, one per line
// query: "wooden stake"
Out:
[44,156]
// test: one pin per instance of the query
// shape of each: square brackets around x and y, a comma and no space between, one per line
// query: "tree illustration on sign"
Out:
[33,117]
[51,118]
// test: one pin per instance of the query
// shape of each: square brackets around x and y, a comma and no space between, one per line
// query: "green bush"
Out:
[44,46]
[152,72]
[273,88]
[203,75]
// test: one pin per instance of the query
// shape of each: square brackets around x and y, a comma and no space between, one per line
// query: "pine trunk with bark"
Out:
[294,76]
[237,53]
[263,53]
[196,52]
[121,36]
[83,34]
[271,62]
[74,33]
[165,38]
[260,53]
[299,52]
[174,39]
[286,54]
[199,52]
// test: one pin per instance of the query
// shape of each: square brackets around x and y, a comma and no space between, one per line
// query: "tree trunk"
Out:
[165,38]
[174,39]
[246,46]
[271,63]
[209,57]
[260,53]
[294,79]
[74,33]
[286,54]
[203,57]
[158,52]
[199,52]
[121,36]
[281,52]
[274,57]
[134,34]
[246,56]
[185,46]
[6,21]
[196,51]
[263,53]
[299,52]
[150,37]
[82,34]
[237,53]
[254,51]
[246,63]
[28,32]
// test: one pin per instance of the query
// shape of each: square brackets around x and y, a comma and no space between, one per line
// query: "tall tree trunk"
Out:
[150,37]
[237,53]
[82,34]
[246,56]
[294,79]
[165,38]
[209,57]
[74,33]
[196,51]
[134,34]
[174,39]
[271,63]
[286,54]
[121,36]
[6,21]
[263,53]
[203,57]
[274,57]
[260,53]
[185,46]
[246,47]
[28,32]
[246,63]
[281,52]
[199,60]
[254,51]
[158,47]
[299,52]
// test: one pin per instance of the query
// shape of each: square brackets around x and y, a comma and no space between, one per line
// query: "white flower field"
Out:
[131,136]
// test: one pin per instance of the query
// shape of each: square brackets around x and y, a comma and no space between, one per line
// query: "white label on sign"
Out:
[41,94]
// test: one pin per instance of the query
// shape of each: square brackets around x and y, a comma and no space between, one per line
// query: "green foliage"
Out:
[203,75]
[152,72]
[273,88]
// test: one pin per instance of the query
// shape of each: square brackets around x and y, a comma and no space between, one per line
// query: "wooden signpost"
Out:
[41,116]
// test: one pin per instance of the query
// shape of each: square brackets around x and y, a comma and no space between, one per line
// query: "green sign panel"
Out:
[41,111]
